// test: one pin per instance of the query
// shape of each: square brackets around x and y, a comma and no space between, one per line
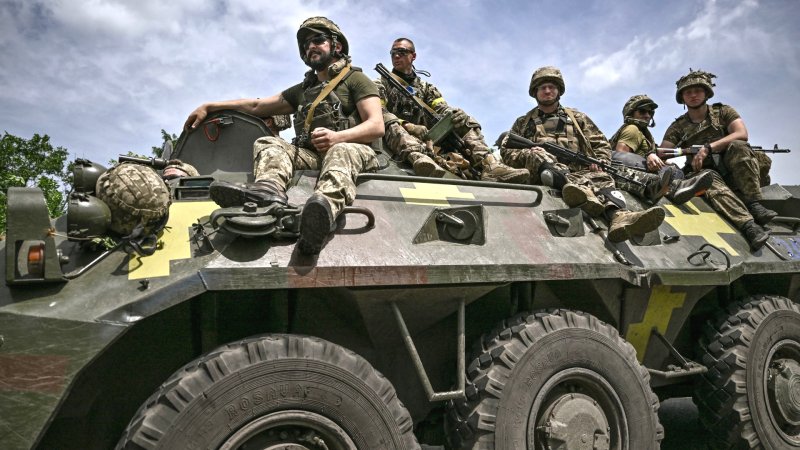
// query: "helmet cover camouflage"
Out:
[320,25]
[547,74]
[282,122]
[640,101]
[135,195]
[695,78]
[177,164]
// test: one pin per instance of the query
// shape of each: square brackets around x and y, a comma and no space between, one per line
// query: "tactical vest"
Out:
[708,131]
[405,108]
[328,113]
[558,128]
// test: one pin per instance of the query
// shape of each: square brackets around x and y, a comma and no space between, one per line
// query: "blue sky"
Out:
[104,77]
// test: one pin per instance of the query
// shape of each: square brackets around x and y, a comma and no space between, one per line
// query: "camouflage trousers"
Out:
[637,161]
[276,160]
[401,144]
[599,182]
[740,169]
[725,202]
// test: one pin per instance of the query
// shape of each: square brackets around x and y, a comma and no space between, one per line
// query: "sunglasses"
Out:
[316,40]
[400,52]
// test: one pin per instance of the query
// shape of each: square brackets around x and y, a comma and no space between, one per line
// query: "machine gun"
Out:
[565,155]
[155,163]
[442,128]
[667,153]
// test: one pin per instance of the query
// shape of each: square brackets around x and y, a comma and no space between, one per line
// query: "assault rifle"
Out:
[442,125]
[667,153]
[565,155]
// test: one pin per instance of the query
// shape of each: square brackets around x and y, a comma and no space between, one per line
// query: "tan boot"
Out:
[628,223]
[576,196]
[424,166]
[497,171]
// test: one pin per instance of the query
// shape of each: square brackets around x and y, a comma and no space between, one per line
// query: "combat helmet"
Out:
[136,196]
[321,25]
[695,78]
[547,74]
[640,101]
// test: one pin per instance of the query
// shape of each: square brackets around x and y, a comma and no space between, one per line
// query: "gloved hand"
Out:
[460,118]
[418,131]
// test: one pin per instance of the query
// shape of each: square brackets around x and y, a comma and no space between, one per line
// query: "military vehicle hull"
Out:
[452,314]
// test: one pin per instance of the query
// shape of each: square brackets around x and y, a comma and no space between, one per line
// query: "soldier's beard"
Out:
[322,63]
[547,102]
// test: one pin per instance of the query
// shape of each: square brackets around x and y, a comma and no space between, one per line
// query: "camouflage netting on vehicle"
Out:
[136,195]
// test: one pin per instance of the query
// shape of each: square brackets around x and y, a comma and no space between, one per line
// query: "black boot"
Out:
[681,191]
[760,214]
[316,223]
[262,193]
[755,235]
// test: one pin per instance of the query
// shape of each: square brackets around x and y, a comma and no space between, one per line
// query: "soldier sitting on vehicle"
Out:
[634,146]
[589,188]
[736,188]
[407,126]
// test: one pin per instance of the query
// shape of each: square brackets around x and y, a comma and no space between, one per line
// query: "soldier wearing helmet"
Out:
[337,114]
[634,146]
[407,126]
[736,188]
[589,188]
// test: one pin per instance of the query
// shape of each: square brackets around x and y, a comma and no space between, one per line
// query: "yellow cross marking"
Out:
[708,225]
[432,194]
[175,238]
[659,310]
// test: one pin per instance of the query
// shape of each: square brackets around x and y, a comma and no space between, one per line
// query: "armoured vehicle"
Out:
[441,314]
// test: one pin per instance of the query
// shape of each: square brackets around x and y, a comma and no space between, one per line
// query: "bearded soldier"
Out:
[406,125]
[634,146]
[586,187]
[736,189]
[337,114]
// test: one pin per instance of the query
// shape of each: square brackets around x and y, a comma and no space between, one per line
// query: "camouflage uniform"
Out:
[398,109]
[275,160]
[736,167]
[561,129]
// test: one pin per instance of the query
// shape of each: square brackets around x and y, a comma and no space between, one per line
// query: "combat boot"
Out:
[582,197]
[262,193]
[654,186]
[316,223]
[681,191]
[496,171]
[424,165]
[754,234]
[760,214]
[625,224]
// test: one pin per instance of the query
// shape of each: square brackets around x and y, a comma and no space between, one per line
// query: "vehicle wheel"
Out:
[270,392]
[558,379]
[750,396]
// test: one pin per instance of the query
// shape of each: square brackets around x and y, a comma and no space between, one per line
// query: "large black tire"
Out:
[750,396]
[275,391]
[556,378]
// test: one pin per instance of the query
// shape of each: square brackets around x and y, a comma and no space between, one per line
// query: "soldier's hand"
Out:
[418,131]
[323,139]
[654,163]
[196,117]
[460,118]
[699,158]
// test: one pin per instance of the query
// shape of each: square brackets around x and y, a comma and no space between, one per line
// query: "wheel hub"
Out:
[784,389]
[290,430]
[575,422]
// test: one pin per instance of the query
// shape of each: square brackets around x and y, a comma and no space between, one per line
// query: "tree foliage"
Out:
[33,162]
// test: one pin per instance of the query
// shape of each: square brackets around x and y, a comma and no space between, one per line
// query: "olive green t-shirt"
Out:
[354,88]
[683,127]
[634,139]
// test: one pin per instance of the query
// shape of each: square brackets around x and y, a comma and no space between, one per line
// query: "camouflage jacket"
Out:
[683,132]
[567,127]
[398,107]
